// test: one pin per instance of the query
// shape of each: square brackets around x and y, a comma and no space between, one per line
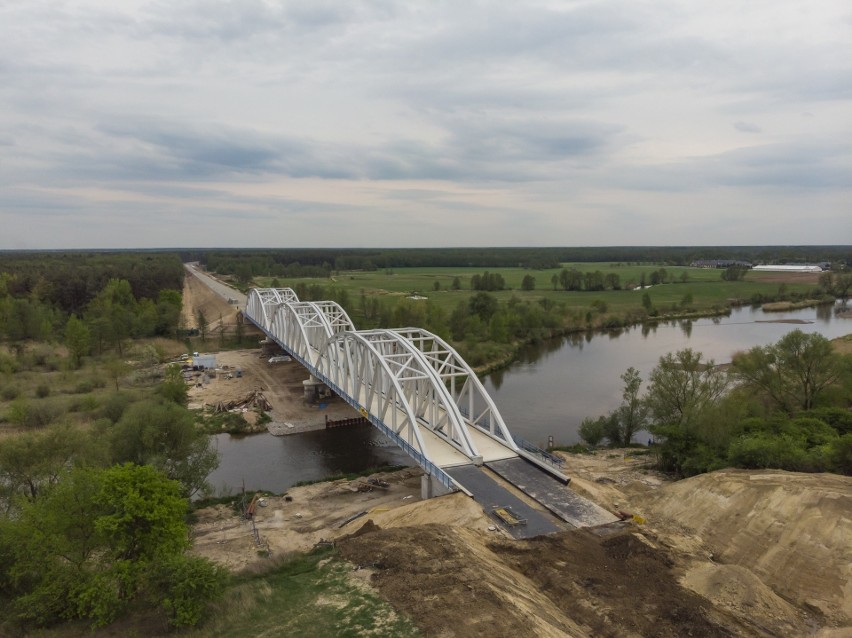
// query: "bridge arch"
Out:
[354,365]
[262,302]
[469,395]
[430,400]
[304,326]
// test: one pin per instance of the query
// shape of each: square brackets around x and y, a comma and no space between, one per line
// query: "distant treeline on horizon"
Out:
[312,262]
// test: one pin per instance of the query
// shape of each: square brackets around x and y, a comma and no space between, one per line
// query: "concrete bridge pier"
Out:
[430,487]
[315,389]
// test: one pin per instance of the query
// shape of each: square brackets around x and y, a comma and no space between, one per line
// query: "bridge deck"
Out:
[558,498]
[444,455]
[490,495]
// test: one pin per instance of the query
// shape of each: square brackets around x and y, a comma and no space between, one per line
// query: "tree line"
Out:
[68,281]
[37,305]
[311,262]
[782,406]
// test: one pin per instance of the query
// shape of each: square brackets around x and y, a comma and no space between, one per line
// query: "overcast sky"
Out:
[278,123]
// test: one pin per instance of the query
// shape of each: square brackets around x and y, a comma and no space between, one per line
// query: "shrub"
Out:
[42,390]
[187,585]
[115,405]
[759,451]
[9,392]
[592,431]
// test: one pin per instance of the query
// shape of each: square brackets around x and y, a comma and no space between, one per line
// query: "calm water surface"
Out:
[547,392]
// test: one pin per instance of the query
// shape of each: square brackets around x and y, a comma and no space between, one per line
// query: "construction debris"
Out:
[253,400]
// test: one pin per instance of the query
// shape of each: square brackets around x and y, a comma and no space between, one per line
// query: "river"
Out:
[547,392]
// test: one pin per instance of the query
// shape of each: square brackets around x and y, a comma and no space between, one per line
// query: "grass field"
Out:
[705,285]
[311,596]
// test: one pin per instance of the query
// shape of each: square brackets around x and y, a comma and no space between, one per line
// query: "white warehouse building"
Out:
[789,268]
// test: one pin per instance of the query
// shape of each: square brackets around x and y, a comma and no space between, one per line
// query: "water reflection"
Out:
[552,394]
[263,461]
[825,313]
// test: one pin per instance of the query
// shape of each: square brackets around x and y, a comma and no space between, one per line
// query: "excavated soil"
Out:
[455,583]
[791,531]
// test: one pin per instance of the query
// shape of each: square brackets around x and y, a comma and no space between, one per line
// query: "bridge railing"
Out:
[537,451]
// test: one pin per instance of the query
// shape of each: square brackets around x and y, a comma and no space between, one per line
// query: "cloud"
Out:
[375,112]
[747,127]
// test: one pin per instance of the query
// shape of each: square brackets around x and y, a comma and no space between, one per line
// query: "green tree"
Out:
[734,273]
[31,462]
[173,387]
[456,285]
[682,386]
[101,539]
[164,435]
[632,415]
[483,305]
[528,283]
[793,372]
[593,431]
[77,340]
[202,324]
[110,315]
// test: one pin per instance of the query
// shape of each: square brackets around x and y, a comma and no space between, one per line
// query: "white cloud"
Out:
[390,123]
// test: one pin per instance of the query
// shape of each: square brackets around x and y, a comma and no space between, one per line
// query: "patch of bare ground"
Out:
[770,544]
[280,383]
[613,478]
[456,582]
[785,277]
[197,296]
[306,515]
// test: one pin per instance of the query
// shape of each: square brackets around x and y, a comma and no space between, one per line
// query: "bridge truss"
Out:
[409,383]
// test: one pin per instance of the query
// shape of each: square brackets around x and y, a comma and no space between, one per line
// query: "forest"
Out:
[313,262]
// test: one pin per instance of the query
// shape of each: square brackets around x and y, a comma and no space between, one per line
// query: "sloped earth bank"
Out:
[732,553]
[774,539]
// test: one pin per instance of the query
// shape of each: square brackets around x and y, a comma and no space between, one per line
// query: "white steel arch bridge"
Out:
[409,383]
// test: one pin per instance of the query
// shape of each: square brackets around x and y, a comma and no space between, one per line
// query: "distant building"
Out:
[719,263]
[790,268]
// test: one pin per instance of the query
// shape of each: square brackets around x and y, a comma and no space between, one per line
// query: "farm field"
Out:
[707,288]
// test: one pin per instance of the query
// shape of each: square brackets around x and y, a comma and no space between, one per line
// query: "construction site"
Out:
[729,553]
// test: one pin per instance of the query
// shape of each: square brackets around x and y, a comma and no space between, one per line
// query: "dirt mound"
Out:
[456,510]
[456,582]
[451,585]
[791,530]
[740,592]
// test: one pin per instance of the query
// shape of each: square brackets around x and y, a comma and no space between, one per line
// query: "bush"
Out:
[10,392]
[42,391]
[841,454]
[33,414]
[764,450]
[115,405]
[592,431]
[187,585]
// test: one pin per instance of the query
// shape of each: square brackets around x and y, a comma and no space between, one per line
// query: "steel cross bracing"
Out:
[409,382]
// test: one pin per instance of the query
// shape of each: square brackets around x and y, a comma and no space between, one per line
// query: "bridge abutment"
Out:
[430,487]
